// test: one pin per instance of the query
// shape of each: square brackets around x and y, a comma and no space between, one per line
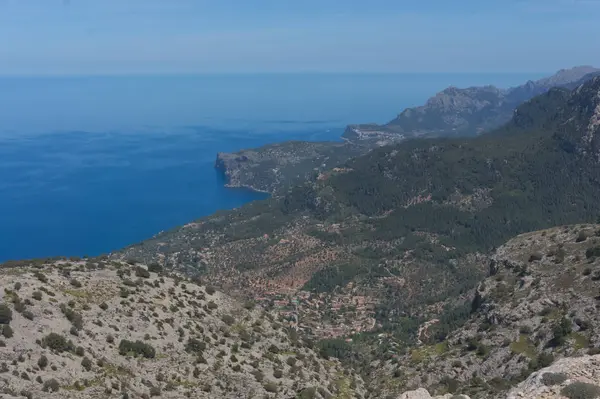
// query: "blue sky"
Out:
[196,36]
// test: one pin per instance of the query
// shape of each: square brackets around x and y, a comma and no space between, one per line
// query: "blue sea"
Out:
[89,165]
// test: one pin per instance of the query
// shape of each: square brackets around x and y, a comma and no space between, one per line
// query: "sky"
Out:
[88,37]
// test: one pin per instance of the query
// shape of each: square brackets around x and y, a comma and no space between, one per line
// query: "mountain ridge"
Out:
[276,167]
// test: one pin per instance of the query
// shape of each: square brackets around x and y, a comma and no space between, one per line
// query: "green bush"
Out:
[51,386]
[137,348]
[5,314]
[227,319]
[75,283]
[142,272]
[154,267]
[7,331]
[57,342]
[554,378]
[37,295]
[210,290]
[42,362]
[581,390]
[270,387]
[86,363]
[195,346]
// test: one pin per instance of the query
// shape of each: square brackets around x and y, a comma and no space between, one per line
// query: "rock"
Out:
[548,382]
[420,393]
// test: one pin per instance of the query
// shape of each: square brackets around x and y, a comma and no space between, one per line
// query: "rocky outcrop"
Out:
[422,393]
[577,377]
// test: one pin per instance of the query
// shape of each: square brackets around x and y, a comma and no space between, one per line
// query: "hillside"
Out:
[99,329]
[538,304]
[381,243]
[452,112]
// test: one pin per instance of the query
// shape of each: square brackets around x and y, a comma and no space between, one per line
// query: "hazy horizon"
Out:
[266,36]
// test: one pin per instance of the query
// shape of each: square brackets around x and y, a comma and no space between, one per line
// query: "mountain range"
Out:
[452,112]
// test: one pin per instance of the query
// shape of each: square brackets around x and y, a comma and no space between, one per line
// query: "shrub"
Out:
[553,378]
[5,314]
[582,236]
[155,268]
[7,331]
[581,390]
[103,306]
[536,256]
[37,295]
[227,319]
[270,387]
[137,348]
[195,346]
[142,272]
[18,286]
[86,363]
[75,318]
[79,351]
[57,342]
[592,252]
[41,276]
[210,290]
[28,315]
[211,305]
[277,373]
[51,386]
[42,362]
[75,283]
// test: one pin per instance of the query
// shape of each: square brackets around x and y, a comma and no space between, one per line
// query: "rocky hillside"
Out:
[452,112]
[539,304]
[99,329]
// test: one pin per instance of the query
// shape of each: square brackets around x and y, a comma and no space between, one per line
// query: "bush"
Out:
[57,342]
[581,390]
[137,348]
[141,272]
[536,256]
[86,363]
[51,386]
[195,346]
[75,318]
[37,295]
[75,283]
[227,319]
[270,387]
[155,268]
[553,378]
[41,276]
[210,290]
[42,362]
[103,306]
[7,331]
[5,314]
[277,373]
[18,286]
[28,315]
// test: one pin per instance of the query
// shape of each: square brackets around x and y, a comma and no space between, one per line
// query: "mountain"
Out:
[452,112]
[469,111]
[537,305]
[383,242]
[99,329]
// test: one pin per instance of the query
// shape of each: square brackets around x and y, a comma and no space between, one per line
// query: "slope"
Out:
[99,329]
[396,232]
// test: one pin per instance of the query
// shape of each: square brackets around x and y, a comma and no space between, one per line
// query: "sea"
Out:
[90,164]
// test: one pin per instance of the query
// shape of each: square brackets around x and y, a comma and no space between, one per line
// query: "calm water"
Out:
[89,165]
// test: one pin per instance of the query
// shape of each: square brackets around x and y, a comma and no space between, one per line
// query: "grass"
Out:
[524,347]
